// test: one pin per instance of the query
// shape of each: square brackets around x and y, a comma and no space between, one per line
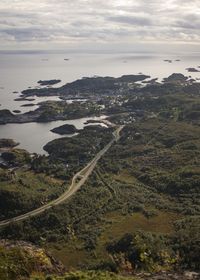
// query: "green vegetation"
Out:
[90,275]
[80,148]
[55,110]
[142,251]
[139,210]
[16,157]
[23,190]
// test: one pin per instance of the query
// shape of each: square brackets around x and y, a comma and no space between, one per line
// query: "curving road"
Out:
[77,181]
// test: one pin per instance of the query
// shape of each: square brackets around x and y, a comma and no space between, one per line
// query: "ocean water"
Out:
[20,71]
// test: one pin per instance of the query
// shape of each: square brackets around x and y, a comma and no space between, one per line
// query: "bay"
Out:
[33,136]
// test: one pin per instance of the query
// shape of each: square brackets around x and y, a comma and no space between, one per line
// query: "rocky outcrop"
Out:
[20,259]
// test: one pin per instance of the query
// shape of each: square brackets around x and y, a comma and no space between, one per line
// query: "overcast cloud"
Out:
[78,22]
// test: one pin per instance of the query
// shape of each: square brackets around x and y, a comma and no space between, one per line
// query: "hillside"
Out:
[24,261]
[139,210]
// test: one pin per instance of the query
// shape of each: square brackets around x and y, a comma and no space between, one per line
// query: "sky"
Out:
[118,25]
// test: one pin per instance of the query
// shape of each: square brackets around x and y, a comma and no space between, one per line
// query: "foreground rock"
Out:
[20,259]
[23,260]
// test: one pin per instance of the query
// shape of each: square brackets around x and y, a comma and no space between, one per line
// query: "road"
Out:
[77,181]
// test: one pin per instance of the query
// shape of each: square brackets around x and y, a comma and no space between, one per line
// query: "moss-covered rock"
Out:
[18,260]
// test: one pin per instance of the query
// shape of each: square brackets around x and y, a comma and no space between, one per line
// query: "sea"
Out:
[19,71]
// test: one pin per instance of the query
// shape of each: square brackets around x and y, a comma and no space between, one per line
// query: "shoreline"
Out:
[94,90]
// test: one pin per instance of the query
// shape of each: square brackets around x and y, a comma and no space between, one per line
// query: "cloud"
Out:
[78,21]
[134,20]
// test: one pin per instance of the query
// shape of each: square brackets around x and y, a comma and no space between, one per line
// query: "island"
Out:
[48,82]
[102,95]
[168,60]
[23,98]
[28,105]
[85,85]
[191,69]
[65,129]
